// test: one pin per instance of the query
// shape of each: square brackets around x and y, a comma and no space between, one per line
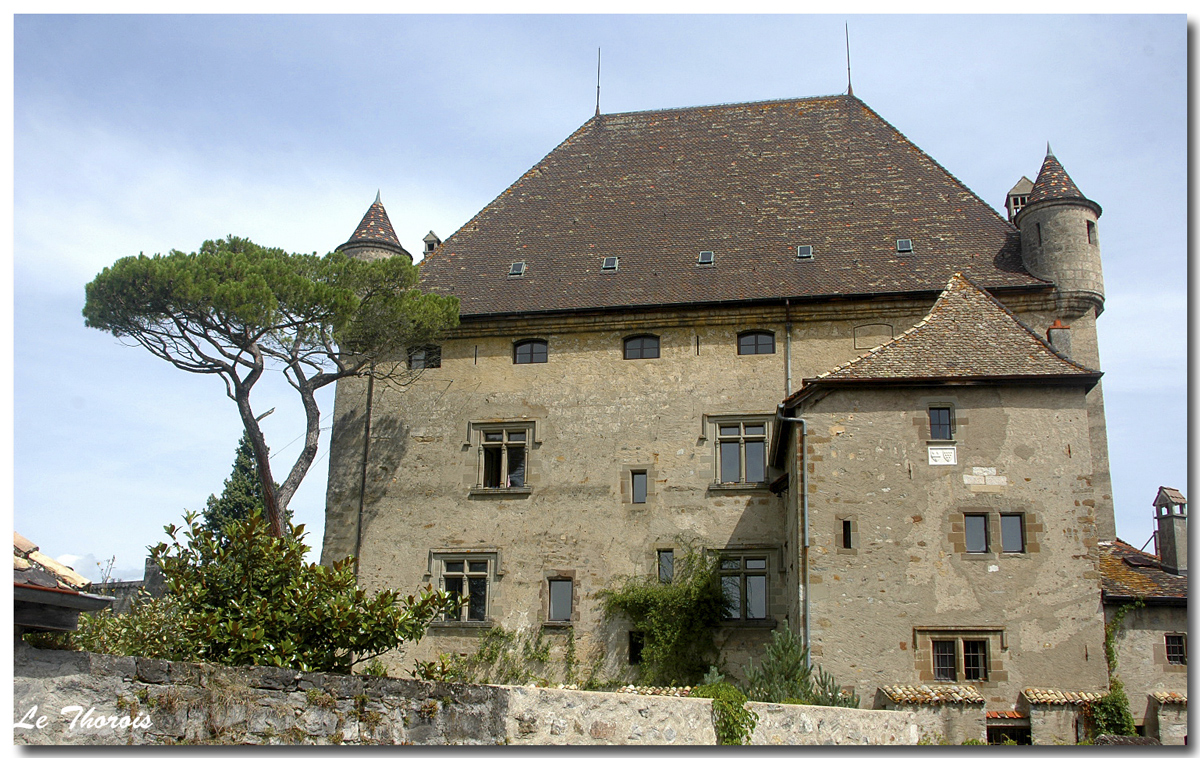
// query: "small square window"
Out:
[976,527]
[756,343]
[639,486]
[904,246]
[1012,532]
[425,356]
[560,600]
[705,258]
[517,269]
[531,351]
[609,263]
[503,454]
[1177,649]
[466,580]
[666,565]
[804,251]
[640,347]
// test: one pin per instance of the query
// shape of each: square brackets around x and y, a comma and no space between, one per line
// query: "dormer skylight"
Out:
[705,258]
[804,251]
[609,263]
[904,246]
[517,269]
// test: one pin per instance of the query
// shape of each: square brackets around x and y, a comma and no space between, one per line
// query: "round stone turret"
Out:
[374,238]
[1059,238]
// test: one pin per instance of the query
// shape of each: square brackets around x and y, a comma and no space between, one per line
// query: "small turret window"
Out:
[1038,228]
[1091,229]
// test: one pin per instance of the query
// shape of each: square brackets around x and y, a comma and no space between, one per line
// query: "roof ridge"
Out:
[776,101]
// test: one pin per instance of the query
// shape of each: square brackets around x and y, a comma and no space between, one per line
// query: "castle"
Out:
[783,332]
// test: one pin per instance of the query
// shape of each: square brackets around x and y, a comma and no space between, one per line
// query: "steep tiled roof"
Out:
[1060,697]
[967,334]
[1052,182]
[375,226]
[921,694]
[1172,495]
[750,182]
[1127,572]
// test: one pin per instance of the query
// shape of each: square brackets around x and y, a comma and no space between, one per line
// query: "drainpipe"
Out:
[803,554]
[362,487]
[787,348]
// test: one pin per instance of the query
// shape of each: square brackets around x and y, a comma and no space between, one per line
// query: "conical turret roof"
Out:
[1053,183]
[375,226]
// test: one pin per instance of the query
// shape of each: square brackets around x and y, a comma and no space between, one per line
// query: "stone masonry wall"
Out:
[168,702]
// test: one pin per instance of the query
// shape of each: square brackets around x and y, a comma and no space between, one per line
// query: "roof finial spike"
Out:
[597,81]
[849,84]
[377,198]
[1049,152]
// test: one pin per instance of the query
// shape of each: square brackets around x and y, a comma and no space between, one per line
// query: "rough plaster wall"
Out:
[868,462]
[1142,654]
[1053,724]
[259,705]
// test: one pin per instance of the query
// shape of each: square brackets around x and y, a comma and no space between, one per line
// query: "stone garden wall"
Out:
[62,697]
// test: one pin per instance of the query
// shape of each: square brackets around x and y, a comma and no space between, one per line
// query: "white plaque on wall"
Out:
[943,456]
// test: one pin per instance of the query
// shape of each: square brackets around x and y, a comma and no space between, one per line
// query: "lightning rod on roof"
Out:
[849,84]
[597,81]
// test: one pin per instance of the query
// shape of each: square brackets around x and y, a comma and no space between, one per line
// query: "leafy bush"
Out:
[733,721]
[785,676]
[1110,714]
[677,619]
[251,599]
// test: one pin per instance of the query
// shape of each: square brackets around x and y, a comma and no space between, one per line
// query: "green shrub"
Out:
[677,619]
[251,599]
[733,721]
[1110,714]
[785,676]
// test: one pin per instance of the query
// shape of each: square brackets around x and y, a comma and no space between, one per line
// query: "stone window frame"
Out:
[475,437]
[531,342]
[842,520]
[775,565]
[430,356]
[625,485]
[996,643]
[756,333]
[559,575]
[741,419]
[1031,523]
[625,342]
[435,574]
[1176,665]
[958,418]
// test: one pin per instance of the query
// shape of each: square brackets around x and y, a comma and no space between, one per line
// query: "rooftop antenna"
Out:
[597,81]
[849,84]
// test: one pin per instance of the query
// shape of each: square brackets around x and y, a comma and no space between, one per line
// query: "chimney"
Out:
[1059,337]
[1170,511]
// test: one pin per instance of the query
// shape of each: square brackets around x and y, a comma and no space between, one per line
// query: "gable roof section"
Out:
[1127,573]
[968,334]
[750,182]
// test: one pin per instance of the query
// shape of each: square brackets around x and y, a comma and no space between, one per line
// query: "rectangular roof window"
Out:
[804,251]
[904,246]
[517,269]
[609,263]
[705,258]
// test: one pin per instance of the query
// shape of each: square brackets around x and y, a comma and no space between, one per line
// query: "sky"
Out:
[140,133]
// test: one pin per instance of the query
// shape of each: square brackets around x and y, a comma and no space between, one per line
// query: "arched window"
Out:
[641,346]
[530,351]
[756,343]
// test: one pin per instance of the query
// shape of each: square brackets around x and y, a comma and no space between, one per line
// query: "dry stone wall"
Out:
[75,698]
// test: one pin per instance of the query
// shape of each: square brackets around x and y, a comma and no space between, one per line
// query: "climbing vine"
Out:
[1110,714]
[677,619]
[733,721]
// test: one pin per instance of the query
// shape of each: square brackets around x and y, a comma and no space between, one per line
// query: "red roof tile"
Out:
[924,694]
[750,182]
[375,226]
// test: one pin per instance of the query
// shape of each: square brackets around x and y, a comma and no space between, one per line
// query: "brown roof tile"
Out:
[932,694]
[1127,572]
[1171,495]
[967,334]
[1170,698]
[1060,697]
[749,182]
